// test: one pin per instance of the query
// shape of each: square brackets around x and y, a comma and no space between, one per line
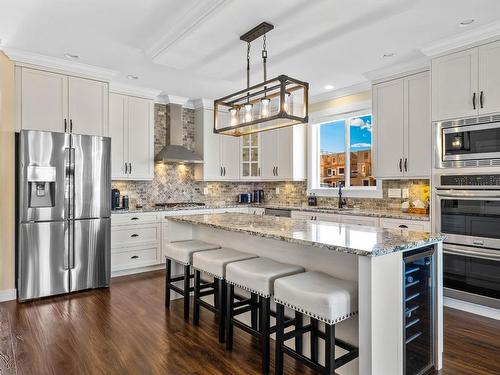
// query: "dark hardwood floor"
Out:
[126,330]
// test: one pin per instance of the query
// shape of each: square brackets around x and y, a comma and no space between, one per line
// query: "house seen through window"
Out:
[346,153]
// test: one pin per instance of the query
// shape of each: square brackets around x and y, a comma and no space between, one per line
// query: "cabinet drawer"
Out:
[423,226]
[360,220]
[140,257]
[138,218]
[329,217]
[300,215]
[131,235]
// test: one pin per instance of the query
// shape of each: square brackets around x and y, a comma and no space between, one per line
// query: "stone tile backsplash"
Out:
[176,183]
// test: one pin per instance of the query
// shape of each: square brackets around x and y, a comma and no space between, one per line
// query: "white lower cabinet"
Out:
[134,257]
[423,226]
[360,220]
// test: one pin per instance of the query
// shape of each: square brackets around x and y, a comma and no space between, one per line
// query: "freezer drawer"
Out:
[43,259]
[90,259]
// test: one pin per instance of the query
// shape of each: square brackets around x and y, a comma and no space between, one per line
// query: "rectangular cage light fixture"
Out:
[273,104]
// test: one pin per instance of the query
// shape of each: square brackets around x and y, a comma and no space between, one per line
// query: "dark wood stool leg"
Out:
[330,349]
[216,294]
[314,340]
[280,330]
[168,270]
[196,307]
[265,323]
[229,317]
[221,311]
[187,285]
[254,311]
[298,325]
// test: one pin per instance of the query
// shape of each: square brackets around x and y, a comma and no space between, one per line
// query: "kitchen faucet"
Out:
[342,201]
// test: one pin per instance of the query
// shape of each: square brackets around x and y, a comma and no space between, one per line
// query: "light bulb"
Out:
[248,112]
[287,104]
[233,113]
[264,107]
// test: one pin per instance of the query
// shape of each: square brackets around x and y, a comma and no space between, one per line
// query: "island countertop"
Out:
[353,239]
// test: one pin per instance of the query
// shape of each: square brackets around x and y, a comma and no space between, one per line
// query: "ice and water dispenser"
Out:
[41,186]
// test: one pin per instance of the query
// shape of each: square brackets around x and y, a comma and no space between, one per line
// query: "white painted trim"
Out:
[203,103]
[142,92]
[8,295]
[25,58]
[165,98]
[476,35]
[339,93]
[133,271]
[472,308]
[398,70]
[338,112]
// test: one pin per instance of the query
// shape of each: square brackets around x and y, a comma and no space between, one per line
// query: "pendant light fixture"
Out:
[275,103]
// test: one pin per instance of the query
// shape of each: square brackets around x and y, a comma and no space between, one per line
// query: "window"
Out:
[343,145]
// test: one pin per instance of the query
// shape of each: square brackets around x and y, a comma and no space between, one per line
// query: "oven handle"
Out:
[468,194]
[467,128]
[475,253]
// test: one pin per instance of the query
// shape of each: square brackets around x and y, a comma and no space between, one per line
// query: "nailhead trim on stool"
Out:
[313,315]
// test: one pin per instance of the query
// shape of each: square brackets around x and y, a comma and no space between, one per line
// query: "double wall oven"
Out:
[466,207]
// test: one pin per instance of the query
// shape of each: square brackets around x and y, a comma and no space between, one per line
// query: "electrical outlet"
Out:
[205,191]
[277,190]
[406,193]
[394,193]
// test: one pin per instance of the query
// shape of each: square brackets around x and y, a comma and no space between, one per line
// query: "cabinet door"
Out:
[268,153]
[285,153]
[389,120]
[140,138]
[250,157]
[454,83]
[417,161]
[44,104]
[119,135]
[208,145]
[88,106]
[230,157]
[489,78]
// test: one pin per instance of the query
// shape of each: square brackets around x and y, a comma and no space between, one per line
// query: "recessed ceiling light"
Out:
[389,54]
[329,87]
[466,23]
[131,76]
[71,56]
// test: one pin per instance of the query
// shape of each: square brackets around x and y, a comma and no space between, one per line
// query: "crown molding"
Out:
[397,70]
[174,99]
[338,93]
[474,36]
[25,58]
[122,88]
[194,17]
[203,103]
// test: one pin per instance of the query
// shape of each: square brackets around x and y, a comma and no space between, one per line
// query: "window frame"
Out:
[313,180]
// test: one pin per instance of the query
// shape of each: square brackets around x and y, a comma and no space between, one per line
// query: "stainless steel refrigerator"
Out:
[64,225]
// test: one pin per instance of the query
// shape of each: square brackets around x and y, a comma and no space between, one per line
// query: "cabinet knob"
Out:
[134,257]
[134,218]
[403,226]
[134,235]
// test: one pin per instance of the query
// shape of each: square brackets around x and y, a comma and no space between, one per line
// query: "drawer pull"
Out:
[134,235]
[403,226]
[134,218]
[134,257]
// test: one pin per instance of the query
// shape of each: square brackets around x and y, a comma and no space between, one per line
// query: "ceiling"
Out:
[191,48]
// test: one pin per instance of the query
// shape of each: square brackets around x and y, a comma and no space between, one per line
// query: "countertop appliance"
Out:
[467,209]
[471,142]
[115,199]
[245,198]
[64,225]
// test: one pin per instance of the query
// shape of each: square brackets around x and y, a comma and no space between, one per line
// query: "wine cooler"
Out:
[418,310]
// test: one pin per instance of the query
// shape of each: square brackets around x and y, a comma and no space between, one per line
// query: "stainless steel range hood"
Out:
[175,152]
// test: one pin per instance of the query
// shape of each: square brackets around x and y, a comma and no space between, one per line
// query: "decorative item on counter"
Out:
[258,196]
[418,200]
[125,202]
[312,200]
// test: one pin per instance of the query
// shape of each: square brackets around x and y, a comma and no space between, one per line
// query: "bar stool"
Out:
[323,298]
[256,276]
[182,252]
[214,262]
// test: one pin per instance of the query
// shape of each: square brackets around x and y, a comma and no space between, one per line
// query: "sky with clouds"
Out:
[332,135]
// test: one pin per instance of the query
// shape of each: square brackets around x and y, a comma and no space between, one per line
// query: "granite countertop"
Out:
[148,208]
[353,239]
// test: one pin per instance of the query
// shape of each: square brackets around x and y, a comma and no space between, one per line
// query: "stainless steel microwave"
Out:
[473,142]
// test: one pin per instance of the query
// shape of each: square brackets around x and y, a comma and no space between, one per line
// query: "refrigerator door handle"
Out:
[67,241]
[71,235]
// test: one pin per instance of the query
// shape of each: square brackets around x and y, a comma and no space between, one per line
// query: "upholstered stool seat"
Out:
[318,295]
[182,251]
[323,298]
[214,262]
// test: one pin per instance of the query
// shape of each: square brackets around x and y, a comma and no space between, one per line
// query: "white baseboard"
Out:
[473,308]
[133,271]
[7,295]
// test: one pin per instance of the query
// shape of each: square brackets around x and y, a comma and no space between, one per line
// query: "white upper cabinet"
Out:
[269,154]
[88,106]
[489,78]
[466,83]
[57,102]
[454,85]
[389,120]
[402,123]
[230,162]
[250,157]
[131,127]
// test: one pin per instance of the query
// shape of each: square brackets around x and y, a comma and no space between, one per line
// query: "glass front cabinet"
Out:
[250,156]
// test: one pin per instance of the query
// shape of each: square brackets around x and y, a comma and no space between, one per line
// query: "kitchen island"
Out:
[371,256]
